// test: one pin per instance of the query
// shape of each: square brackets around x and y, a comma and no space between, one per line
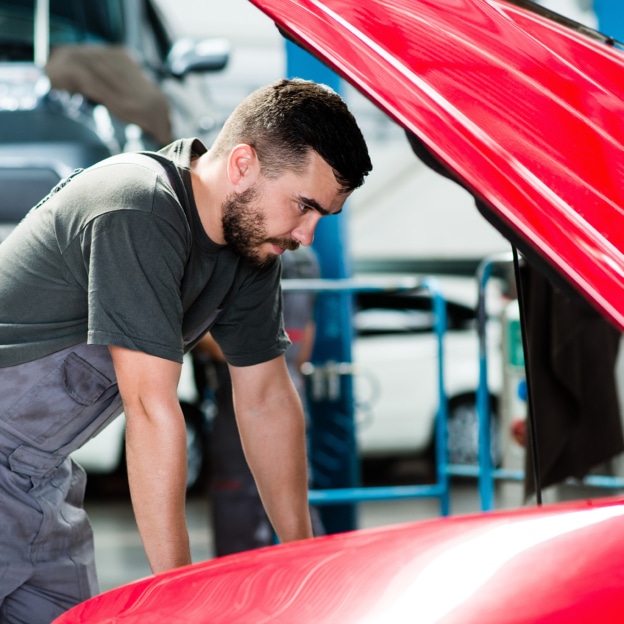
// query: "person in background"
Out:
[238,518]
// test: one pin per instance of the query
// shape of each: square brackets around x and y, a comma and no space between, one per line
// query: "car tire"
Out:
[462,431]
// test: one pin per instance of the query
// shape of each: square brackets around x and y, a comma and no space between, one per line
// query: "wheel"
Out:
[463,433]
[196,446]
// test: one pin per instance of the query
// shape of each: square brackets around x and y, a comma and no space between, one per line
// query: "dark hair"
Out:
[285,120]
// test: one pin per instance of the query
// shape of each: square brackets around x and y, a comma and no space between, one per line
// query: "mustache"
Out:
[287,244]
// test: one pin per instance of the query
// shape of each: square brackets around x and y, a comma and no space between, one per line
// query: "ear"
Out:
[243,166]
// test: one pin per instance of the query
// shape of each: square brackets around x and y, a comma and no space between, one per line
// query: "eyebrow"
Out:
[312,203]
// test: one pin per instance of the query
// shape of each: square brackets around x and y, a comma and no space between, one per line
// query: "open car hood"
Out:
[525,112]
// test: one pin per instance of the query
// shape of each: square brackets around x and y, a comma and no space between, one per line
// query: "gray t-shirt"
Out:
[118,256]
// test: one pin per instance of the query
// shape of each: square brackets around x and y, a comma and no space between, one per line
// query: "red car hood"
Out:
[557,564]
[526,113]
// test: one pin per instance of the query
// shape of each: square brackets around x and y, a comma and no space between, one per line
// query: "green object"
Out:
[514,337]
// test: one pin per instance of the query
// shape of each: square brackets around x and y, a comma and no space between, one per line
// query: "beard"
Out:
[244,228]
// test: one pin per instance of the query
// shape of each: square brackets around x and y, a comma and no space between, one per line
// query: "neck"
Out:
[208,197]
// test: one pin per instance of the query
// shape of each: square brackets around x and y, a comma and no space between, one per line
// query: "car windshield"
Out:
[375,321]
[71,22]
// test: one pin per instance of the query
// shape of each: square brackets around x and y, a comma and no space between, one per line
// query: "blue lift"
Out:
[333,452]
[327,448]
[610,14]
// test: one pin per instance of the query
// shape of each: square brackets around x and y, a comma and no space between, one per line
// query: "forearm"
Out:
[273,437]
[155,454]
[156,459]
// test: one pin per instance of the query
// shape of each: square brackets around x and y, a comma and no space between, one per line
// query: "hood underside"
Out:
[524,111]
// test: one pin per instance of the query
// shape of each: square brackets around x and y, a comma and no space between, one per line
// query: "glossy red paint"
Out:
[527,113]
[551,564]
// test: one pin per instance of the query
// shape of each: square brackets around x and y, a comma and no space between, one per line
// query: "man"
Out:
[104,286]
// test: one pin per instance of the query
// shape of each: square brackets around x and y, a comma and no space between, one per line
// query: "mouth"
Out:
[282,245]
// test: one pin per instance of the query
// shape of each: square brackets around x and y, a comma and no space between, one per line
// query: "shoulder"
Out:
[113,190]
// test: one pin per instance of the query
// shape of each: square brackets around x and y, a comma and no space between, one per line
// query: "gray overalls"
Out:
[48,408]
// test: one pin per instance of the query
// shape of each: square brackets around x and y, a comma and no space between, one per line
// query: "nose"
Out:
[304,232]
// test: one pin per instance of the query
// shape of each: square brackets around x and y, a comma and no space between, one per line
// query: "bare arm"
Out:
[155,454]
[272,428]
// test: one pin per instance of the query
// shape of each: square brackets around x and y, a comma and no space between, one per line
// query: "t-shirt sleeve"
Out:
[250,329]
[135,265]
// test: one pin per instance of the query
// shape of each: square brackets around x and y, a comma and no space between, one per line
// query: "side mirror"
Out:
[203,55]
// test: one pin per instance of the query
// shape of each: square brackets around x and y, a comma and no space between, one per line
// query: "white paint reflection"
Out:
[458,573]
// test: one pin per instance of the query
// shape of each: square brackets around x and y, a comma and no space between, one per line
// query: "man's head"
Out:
[284,121]
[293,153]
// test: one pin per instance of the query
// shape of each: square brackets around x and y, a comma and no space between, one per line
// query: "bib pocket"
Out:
[84,383]
[50,401]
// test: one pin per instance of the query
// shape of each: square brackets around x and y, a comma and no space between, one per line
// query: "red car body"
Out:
[528,115]
[561,563]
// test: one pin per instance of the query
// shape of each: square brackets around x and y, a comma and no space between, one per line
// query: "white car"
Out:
[396,376]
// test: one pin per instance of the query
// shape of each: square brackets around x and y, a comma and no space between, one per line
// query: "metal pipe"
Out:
[41,35]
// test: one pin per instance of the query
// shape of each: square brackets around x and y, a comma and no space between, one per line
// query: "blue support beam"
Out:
[333,451]
[610,14]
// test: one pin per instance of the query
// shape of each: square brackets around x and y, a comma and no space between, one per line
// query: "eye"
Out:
[303,208]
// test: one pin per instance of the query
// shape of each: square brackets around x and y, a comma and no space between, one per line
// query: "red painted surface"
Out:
[556,564]
[529,114]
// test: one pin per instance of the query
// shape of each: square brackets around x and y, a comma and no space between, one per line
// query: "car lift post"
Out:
[333,451]
[610,14]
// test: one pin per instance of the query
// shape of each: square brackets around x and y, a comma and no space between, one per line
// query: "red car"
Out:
[528,114]
[486,569]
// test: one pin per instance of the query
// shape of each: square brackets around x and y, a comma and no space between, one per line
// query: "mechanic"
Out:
[104,286]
